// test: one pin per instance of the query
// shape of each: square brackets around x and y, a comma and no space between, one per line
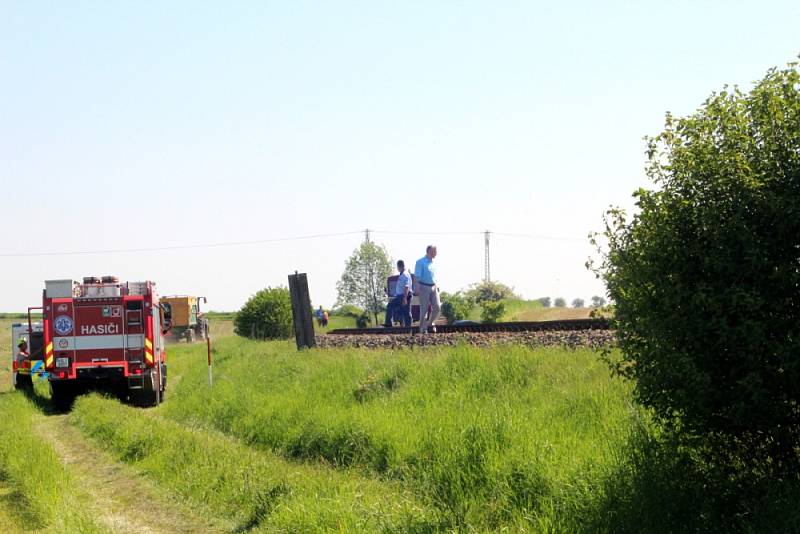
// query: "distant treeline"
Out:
[23,315]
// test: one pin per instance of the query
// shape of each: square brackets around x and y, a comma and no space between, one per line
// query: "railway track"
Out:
[564,325]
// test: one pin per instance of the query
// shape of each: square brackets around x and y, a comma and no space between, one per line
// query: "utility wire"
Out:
[271,240]
[403,232]
[176,247]
[543,237]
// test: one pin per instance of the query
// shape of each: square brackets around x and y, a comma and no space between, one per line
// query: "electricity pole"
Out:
[486,274]
[366,235]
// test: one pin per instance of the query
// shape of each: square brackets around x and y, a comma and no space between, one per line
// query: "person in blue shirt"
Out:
[425,272]
[399,306]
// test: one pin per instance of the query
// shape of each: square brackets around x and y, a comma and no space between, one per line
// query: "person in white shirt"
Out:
[399,306]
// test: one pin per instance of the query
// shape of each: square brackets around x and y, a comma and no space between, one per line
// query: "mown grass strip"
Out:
[256,490]
[44,492]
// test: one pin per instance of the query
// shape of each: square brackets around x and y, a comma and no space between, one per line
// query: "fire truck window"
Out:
[134,317]
[133,312]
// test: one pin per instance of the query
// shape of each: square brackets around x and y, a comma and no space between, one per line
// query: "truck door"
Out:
[134,332]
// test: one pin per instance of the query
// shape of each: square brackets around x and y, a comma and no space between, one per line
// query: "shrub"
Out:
[559,302]
[490,291]
[704,278]
[455,307]
[362,321]
[348,310]
[266,315]
[544,301]
[491,312]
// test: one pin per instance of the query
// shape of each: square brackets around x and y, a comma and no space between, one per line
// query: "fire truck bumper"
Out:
[101,373]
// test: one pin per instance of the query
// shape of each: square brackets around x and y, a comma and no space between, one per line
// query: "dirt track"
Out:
[123,500]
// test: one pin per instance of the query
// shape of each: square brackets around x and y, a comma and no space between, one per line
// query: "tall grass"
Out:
[490,438]
[252,489]
[46,494]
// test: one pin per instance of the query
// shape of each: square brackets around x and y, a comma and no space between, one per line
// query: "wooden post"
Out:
[210,374]
[301,311]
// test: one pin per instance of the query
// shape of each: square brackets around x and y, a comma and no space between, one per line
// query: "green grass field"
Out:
[5,353]
[487,439]
[455,439]
[250,488]
[353,440]
[532,310]
[40,492]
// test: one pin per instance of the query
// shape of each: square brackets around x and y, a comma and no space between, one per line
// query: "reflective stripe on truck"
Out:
[148,343]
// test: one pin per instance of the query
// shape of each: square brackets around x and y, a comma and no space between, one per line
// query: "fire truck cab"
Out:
[103,333]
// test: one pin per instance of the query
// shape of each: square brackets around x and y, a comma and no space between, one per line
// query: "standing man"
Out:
[22,353]
[400,303]
[425,272]
[22,366]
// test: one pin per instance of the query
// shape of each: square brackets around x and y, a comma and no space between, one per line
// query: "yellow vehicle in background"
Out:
[188,321]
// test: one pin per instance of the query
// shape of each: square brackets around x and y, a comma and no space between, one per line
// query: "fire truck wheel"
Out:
[144,398]
[62,395]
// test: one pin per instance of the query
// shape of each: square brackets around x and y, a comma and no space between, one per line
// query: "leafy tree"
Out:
[545,302]
[560,302]
[363,282]
[492,311]
[455,306]
[598,302]
[577,303]
[705,277]
[266,315]
[490,291]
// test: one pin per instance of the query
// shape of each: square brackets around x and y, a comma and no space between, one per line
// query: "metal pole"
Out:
[486,274]
[210,373]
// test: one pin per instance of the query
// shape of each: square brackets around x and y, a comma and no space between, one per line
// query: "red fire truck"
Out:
[103,333]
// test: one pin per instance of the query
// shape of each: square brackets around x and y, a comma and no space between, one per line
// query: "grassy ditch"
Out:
[44,494]
[489,437]
[257,491]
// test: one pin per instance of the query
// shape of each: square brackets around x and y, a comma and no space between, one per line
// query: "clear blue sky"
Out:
[150,124]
